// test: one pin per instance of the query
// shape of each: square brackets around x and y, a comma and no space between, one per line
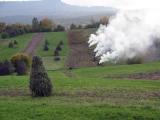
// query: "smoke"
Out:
[130,34]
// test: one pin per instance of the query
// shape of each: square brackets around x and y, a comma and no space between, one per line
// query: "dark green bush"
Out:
[40,84]
[59,28]
[56,53]
[46,48]
[58,48]
[136,60]
[61,43]
[57,58]
[11,45]
[15,42]
[4,35]
[46,42]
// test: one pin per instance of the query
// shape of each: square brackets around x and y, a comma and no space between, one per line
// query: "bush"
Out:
[6,68]
[21,68]
[15,42]
[58,48]
[46,42]
[56,53]
[61,43]
[46,48]
[59,28]
[21,57]
[57,58]
[136,60]
[11,45]
[40,84]
[4,35]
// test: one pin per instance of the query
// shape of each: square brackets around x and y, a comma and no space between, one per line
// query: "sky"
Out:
[120,4]
[17,0]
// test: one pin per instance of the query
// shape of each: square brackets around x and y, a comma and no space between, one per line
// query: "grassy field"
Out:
[54,38]
[84,93]
[48,56]
[6,52]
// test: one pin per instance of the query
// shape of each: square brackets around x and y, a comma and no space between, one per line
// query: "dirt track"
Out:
[80,54]
[33,44]
[138,76]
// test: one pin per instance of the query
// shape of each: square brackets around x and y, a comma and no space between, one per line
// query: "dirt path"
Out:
[80,54]
[138,76]
[33,44]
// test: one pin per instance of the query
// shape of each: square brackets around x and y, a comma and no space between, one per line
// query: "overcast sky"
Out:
[19,0]
[122,4]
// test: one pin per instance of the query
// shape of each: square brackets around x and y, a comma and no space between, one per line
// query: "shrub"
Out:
[21,68]
[46,48]
[40,84]
[73,26]
[136,60]
[6,68]
[57,58]
[15,42]
[61,43]
[21,57]
[46,42]
[56,53]
[4,35]
[58,48]
[10,45]
[59,28]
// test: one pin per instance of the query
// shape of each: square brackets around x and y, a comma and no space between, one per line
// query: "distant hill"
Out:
[59,11]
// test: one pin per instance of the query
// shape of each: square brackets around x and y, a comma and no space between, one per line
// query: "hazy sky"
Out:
[20,0]
[122,4]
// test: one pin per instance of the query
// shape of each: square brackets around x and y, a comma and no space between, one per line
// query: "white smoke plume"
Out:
[130,33]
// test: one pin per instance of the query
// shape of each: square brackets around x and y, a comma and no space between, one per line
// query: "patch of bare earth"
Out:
[80,54]
[140,76]
[14,92]
[33,44]
[147,76]
[90,94]
[103,94]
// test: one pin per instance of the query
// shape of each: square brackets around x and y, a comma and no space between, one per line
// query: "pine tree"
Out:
[40,84]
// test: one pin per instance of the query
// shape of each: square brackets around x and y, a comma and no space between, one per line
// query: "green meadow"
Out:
[89,93]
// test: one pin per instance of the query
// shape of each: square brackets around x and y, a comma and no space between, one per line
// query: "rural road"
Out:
[33,44]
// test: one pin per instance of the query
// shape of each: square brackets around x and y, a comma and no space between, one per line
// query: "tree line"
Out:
[93,23]
[44,25]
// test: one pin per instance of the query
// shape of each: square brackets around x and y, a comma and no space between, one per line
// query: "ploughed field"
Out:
[111,92]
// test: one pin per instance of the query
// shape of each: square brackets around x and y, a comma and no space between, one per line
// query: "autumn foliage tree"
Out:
[104,20]
[47,25]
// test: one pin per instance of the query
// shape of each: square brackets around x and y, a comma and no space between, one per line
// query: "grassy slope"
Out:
[82,94]
[54,38]
[79,95]
[8,52]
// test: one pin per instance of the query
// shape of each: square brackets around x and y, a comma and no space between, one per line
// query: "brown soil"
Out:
[80,54]
[33,44]
[100,94]
[111,94]
[14,92]
[147,76]
[142,76]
